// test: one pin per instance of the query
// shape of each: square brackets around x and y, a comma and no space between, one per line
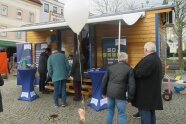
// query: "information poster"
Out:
[110,50]
[24,51]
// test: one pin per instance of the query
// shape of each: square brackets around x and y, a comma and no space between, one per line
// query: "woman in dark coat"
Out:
[75,73]
[1,84]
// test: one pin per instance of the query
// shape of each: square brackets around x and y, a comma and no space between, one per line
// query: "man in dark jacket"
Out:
[148,75]
[118,79]
[75,73]
[1,84]
[42,68]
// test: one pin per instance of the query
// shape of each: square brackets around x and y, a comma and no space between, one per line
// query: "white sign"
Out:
[27,46]
[32,93]
[24,94]
[123,42]
[173,47]
[94,101]
[44,46]
[103,101]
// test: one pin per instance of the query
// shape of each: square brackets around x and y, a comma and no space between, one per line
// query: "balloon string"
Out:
[83,99]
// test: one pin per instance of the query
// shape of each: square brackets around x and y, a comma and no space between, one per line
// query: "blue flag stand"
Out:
[97,101]
[27,76]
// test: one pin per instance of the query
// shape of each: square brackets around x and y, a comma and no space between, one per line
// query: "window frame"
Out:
[62,10]
[29,17]
[6,10]
[55,8]
[4,33]
[46,10]
[18,36]
[21,17]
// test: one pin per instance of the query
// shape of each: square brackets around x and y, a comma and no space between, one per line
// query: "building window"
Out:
[18,35]
[61,11]
[3,34]
[54,9]
[4,10]
[31,17]
[46,7]
[19,14]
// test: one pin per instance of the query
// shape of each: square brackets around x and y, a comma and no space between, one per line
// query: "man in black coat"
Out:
[75,73]
[118,79]
[42,68]
[148,75]
[1,84]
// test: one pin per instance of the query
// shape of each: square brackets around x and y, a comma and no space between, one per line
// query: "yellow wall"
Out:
[137,35]
[68,41]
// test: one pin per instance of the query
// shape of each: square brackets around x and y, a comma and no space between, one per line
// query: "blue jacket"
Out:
[58,67]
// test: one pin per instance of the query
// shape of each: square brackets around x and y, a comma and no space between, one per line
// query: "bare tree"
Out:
[113,6]
[180,19]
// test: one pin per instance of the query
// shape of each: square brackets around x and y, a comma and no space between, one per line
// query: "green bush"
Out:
[184,53]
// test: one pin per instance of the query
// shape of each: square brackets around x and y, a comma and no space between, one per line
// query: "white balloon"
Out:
[76,14]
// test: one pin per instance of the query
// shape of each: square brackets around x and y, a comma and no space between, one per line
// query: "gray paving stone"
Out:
[40,110]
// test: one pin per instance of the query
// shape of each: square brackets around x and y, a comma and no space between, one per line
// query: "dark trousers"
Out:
[148,116]
[42,80]
[77,89]
[1,103]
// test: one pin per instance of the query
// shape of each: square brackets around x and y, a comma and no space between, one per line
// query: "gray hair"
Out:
[122,56]
[150,46]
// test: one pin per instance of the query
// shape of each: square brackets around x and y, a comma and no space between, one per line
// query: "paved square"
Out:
[40,110]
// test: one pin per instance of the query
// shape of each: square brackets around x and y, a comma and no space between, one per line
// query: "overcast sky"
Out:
[140,1]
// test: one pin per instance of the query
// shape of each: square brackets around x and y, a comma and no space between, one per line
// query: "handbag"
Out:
[1,81]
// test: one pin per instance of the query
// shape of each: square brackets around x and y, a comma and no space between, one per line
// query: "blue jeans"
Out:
[60,88]
[147,116]
[121,106]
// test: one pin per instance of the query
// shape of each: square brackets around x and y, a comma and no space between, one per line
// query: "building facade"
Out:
[51,10]
[14,13]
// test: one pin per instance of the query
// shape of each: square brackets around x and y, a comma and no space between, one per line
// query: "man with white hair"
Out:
[148,75]
[118,79]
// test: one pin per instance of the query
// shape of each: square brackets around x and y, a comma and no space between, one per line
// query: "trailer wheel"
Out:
[167,96]
[167,91]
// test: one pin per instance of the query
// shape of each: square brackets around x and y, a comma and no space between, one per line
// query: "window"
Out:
[19,14]
[46,7]
[54,9]
[4,10]
[3,34]
[61,11]
[31,17]
[18,35]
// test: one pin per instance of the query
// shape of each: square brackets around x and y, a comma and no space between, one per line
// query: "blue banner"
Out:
[24,51]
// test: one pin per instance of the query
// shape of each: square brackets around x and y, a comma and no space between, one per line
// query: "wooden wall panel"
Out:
[137,35]
[37,37]
[68,42]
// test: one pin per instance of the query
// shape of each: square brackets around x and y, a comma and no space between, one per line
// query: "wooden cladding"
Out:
[137,35]
[37,37]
